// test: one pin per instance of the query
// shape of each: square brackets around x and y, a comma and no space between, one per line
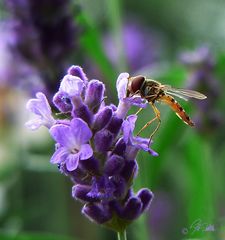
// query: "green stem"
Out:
[122,235]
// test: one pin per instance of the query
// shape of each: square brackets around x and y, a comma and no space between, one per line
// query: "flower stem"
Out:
[122,235]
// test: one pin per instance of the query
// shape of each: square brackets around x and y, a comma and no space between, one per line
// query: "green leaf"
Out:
[34,236]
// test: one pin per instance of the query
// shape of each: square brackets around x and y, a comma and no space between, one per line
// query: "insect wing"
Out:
[177,95]
[179,92]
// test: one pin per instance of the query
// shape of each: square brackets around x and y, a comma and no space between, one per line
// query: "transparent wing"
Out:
[182,93]
[177,95]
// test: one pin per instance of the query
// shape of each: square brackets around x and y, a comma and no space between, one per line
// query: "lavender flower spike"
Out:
[72,142]
[40,107]
[96,148]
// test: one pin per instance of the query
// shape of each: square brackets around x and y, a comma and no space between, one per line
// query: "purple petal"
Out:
[102,118]
[78,72]
[39,105]
[41,108]
[91,165]
[136,101]
[103,140]
[80,192]
[81,110]
[34,124]
[121,85]
[114,165]
[59,155]
[152,152]
[120,147]
[143,143]
[146,196]
[71,85]
[97,212]
[102,188]
[128,127]
[132,209]
[132,120]
[94,95]
[63,135]
[81,131]
[62,101]
[85,151]
[72,161]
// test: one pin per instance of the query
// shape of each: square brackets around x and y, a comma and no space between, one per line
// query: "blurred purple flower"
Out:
[44,35]
[164,215]
[201,65]
[96,148]
[21,75]
[142,47]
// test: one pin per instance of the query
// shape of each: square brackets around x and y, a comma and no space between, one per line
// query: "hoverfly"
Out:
[154,91]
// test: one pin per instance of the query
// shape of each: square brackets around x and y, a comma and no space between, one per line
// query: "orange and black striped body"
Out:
[176,107]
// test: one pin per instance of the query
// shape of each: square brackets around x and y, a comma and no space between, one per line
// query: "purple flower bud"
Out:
[78,72]
[120,186]
[130,193]
[102,188]
[80,110]
[94,95]
[114,165]
[77,176]
[91,165]
[146,197]
[102,118]
[62,101]
[80,192]
[115,206]
[130,170]
[132,209]
[114,108]
[98,213]
[103,140]
[131,152]
[120,147]
[115,125]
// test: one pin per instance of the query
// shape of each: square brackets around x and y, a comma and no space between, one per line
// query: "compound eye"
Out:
[136,83]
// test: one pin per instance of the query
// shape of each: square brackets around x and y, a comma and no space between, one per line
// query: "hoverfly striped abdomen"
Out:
[176,107]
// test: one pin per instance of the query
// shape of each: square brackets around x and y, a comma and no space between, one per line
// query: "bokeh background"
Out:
[180,43]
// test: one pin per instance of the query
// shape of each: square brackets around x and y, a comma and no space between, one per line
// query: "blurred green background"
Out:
[180,43]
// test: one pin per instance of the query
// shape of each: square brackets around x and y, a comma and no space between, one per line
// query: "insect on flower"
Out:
[153,91]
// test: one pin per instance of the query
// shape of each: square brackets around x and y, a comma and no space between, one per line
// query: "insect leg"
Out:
[132,94]
[140,109]
[157,117]
[146,125]
[157,113]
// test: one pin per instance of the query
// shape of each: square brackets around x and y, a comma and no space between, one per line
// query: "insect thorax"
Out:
[151,90]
